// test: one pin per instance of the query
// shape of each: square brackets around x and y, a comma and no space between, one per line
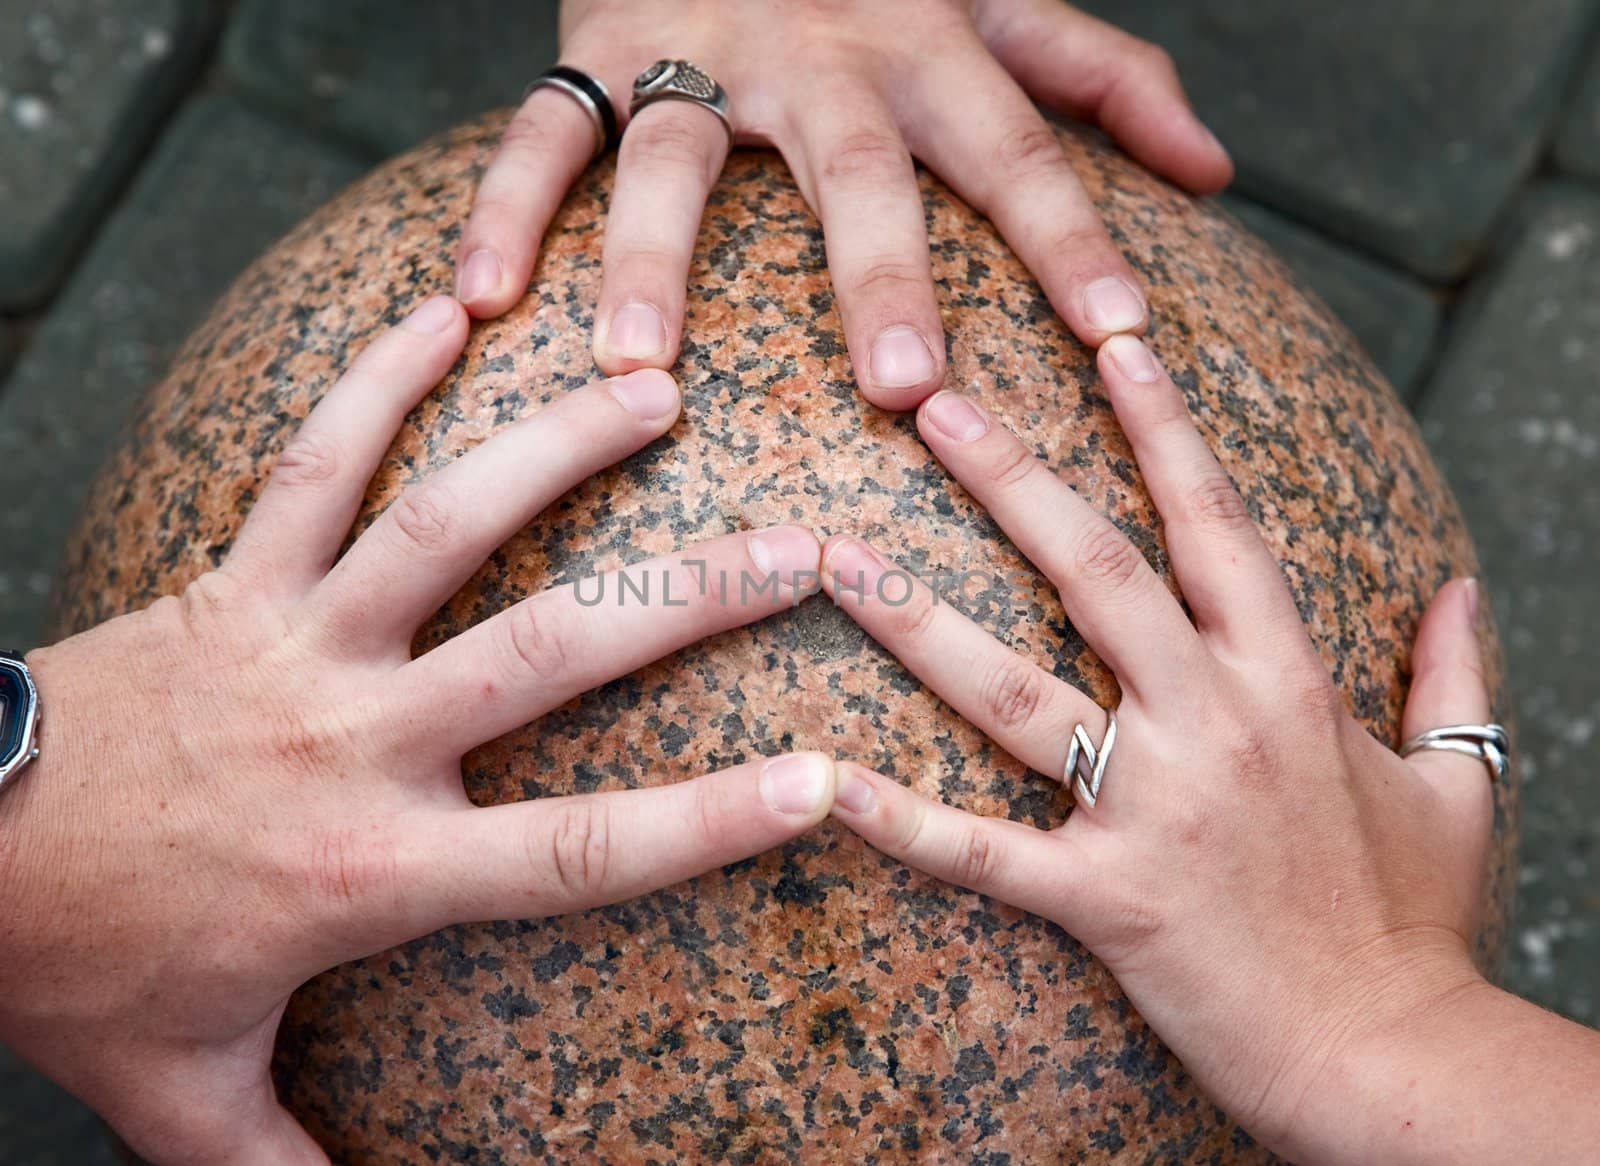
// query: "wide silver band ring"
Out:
[591,95]
[668,80]
[1086,763]
[1490,744]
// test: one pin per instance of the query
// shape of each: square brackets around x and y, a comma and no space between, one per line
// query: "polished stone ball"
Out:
[819,1003]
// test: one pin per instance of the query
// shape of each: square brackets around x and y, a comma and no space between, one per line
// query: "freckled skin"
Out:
[819,1003]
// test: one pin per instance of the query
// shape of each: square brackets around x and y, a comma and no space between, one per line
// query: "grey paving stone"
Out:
[84,86]
[1405,125]
[1578,142]
[223,183]
[1514,416]
[41,1125]
[387,73]
[1395,317]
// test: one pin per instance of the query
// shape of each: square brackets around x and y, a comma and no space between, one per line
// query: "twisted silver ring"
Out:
[591,95]
[1490,744]
[680,81]
[1086,765]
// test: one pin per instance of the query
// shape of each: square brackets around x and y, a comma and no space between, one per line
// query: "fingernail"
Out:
[1113,305]
[900,358]
[480,275]
[1132,357]
[795,784]
[637,331]
[432,317]
[1473,599]
[855,566]
[853,793]
[956,417]
[650,393]
[783,551]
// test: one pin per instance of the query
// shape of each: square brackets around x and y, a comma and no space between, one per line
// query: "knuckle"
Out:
[575,850]
[534,642]
[349,868]
[977,859]
[1104,556]
[1213,502]
[913,620]
[1013,694]
[527,134]
[891,277]
[1132,919]
[423,519]
[1155,60]
[1029,149]
[1082,247]
[865,155]
[1194,823]
[309,459]
[1317,703]
[1251,754]
[1011,466]
[669,141]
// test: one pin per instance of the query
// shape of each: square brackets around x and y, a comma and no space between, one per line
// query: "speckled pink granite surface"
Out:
[819,1003]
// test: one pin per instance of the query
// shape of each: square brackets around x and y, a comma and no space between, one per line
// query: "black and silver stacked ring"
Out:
[680,81]
[1086,764]
[1490,744]
[590,93]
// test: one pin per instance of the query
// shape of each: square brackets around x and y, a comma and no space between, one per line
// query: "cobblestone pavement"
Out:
[1430,167]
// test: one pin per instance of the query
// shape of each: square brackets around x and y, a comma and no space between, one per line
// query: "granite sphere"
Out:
[819,1003]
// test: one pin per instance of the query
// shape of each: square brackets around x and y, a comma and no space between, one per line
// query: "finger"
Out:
[556,855]
[989,143]
[1024,709]
[1114,598]
[858,175]
[670,156]
[1233,585]
[1094,71]
[541,653]
[546,145]
[1448,687]
[297,526]
[438,533]
[1039,871]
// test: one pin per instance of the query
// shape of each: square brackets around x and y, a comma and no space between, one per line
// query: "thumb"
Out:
[214,1125]
[1448,687]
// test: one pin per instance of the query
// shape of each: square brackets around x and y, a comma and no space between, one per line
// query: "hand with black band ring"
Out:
[851,96]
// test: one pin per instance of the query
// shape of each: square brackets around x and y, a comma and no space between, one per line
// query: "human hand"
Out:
[1273,888]
[246,784]
[849,94]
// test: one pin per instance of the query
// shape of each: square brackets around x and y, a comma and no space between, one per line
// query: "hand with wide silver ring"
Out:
[853,96]
[1270,885]
[669,80]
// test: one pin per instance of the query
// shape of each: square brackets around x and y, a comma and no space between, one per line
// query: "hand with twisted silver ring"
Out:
[1288,903]
[851,95]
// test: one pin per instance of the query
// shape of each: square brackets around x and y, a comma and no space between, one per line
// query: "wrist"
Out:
[1380,1096]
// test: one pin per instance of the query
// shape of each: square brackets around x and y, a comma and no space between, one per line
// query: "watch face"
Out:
[13,712]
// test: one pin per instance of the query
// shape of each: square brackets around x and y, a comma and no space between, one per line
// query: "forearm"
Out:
[1482,1077]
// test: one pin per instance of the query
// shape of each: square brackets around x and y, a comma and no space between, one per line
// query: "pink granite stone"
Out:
[819,1003]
